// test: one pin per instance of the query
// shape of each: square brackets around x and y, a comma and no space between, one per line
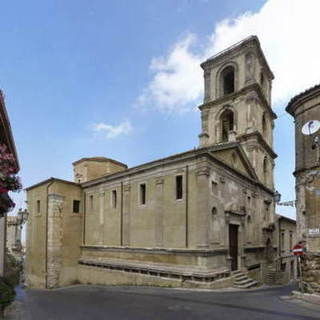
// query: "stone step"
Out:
[248,285]
[243,282]
[240,277]
[236,272]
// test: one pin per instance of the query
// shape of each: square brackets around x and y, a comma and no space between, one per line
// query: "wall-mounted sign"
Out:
[314,231]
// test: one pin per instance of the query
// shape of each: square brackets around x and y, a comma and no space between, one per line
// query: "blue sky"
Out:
[67,67]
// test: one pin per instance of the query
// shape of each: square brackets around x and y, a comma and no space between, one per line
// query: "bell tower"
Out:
[237,104]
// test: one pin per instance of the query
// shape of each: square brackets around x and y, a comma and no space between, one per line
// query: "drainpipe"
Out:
[46,246]
[187,206]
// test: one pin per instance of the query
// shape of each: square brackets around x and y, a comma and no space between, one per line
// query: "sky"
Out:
[121,78]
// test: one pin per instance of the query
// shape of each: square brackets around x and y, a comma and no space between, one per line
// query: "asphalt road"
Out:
[146,303]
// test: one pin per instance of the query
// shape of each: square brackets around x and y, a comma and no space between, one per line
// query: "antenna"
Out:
[310,127]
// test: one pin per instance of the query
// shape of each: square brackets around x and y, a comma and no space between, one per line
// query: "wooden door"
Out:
[233,246]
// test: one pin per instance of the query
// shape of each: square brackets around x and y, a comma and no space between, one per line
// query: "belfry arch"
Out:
[227,80]
[226,124]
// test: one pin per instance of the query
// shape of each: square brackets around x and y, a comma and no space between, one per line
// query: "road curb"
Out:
[308,297]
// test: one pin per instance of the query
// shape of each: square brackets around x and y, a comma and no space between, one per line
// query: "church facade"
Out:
[190,219]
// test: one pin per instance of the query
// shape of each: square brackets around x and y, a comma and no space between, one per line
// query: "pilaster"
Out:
[159,212]
[203,173]
[126,215]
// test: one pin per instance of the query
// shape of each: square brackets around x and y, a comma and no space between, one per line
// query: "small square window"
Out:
[76,206]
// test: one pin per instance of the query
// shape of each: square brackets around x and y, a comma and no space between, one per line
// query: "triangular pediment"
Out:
[235,158]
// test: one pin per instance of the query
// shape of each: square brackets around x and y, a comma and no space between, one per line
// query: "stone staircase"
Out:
[271,276]
[242,281]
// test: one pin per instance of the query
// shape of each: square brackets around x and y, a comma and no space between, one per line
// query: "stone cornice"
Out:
[197,252]
[261,140]
[100,159]
[51,180]
[232,96]
[186,156]
[236,49]
[301,98]
[303,170]
[243,177]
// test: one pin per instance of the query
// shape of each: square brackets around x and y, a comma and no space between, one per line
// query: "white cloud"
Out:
[111,131]
[288,31]
[176,79]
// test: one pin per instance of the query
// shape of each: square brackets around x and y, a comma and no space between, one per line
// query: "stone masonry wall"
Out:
[54,239]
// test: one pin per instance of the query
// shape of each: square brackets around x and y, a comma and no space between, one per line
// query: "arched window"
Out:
[265,170]
[227,80]
[227,122]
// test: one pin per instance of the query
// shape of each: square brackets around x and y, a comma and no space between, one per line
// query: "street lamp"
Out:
[277,197]
[23,216]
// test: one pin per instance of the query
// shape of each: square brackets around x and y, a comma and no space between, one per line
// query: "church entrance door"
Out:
[233,246]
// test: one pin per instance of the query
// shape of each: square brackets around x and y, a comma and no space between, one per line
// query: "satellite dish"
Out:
[311,127]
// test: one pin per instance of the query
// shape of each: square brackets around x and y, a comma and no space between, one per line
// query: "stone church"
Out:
[190,219]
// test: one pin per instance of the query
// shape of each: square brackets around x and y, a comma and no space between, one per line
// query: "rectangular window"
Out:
[290,241]
[142,193]
[282,241]
[76,206]
[38,206]
[179,187]
[91,202]
[114,198]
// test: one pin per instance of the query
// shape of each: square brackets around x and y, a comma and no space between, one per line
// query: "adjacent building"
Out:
[306,107]
[14,233]
[287,239]
[7,148]
[186,220]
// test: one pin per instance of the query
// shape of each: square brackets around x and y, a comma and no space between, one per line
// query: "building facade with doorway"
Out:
[286,229]
[9,166]
[186,220]
[305,107]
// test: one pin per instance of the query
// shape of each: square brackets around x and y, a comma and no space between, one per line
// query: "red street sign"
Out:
[298,250]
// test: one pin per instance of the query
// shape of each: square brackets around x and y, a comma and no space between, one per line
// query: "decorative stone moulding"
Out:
[159,181]
[205,170]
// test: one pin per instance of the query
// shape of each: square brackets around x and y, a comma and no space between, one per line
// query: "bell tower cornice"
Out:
[233,96]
